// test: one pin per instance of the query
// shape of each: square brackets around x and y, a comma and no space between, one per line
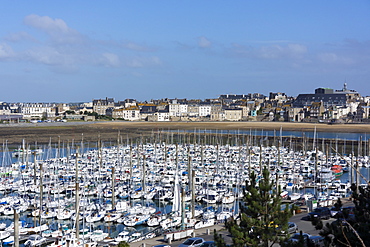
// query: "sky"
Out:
[77,51]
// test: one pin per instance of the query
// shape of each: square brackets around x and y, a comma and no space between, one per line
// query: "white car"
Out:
[292,227]
[192,242]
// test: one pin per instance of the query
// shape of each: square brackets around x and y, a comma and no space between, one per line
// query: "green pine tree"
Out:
[123,244]
[261,221]
[219,239]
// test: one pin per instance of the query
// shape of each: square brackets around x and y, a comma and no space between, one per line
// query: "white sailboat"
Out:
[174,218]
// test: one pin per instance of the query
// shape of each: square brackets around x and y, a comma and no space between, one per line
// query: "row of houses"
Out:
[324,105]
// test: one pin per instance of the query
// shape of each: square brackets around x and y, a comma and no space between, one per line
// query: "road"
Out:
[207,233]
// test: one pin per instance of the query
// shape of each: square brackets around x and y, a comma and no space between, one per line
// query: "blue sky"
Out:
[72,51]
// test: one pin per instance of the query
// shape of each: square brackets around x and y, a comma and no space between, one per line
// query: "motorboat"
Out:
[35,240]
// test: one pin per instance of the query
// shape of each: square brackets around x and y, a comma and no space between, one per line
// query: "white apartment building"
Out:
[131,113]
[193,110]
[4,109]
[353,106]
[37,110]
[341,112]
[235,114]
[205,110]
[218,115]
[162,116]
[178,110]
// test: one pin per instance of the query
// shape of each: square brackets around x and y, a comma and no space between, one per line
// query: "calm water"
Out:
[284,133]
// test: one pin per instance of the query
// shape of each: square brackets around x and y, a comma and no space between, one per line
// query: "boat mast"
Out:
[16,228]
[113,188]
[77,207]
[41,194]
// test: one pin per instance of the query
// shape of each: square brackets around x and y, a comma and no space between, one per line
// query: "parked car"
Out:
[317,241]
[208,244]
[348,213]
[192,242]
[298,236]
[308,240]
[292,227]
[321,213]
[334,211]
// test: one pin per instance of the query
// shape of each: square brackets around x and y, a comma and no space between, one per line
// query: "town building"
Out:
[233,114]
[37,110]
[4,108]
[177,109]
[328,97]
[160,116]
[100,106]
[131,113]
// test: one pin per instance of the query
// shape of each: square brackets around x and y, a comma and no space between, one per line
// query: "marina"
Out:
[133,191]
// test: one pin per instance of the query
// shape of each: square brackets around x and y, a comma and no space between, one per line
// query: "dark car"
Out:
[334,211]
[208,244]
[320,213]
[349,213]
[317,241]
[297,237]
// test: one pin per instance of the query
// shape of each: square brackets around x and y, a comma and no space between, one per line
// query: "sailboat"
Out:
[174,218]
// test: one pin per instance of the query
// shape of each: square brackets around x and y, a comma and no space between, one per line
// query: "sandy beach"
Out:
[108,131]
[353,128]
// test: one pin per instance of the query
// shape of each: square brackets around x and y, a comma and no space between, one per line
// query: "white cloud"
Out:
[6,51]
[271,52]
[278,51]
[20,36]
[333,58]
[59,60]
[57,29]
[46,55]
[110,60]
[136,47]
[241,50]
[139,62]
[296,50]
[47,24]
[134,63]
[203,42]
[64,50]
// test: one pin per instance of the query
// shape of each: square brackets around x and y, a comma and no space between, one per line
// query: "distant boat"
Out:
[326,175]
[35,240]
[17,153]
[337,170]
[295,196]
[4,234]
[9,240]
